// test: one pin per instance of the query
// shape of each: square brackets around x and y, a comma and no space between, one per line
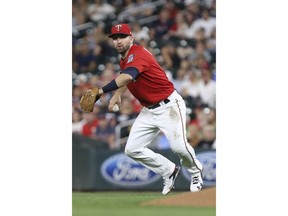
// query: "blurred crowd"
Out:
[182,36]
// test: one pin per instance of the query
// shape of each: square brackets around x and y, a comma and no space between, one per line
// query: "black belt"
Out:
[157,105]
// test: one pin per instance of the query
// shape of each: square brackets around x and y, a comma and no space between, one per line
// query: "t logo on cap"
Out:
[122,28]
[118,27]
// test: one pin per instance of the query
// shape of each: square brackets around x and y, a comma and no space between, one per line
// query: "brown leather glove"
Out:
[89,98]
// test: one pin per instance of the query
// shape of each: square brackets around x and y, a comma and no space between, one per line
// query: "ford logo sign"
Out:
[208,161]
[121,170]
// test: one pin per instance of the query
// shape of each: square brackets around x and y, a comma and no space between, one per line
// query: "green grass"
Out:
[128,204]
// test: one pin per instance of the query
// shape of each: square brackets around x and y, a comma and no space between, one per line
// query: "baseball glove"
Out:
[89,98]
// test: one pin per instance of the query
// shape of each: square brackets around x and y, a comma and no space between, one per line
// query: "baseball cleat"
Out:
[196,182]
[169,182]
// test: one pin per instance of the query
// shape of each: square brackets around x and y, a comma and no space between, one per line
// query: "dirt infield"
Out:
[204,198]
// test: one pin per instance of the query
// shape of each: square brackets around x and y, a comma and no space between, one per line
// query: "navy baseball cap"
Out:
[123,29]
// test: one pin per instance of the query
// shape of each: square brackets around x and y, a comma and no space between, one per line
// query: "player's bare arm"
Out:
[116,99]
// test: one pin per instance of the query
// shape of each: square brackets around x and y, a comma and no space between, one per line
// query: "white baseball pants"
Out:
[169,118]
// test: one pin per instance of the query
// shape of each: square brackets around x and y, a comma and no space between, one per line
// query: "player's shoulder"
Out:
[137,47]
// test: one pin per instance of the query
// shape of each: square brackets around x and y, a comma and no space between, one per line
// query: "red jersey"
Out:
[151,85]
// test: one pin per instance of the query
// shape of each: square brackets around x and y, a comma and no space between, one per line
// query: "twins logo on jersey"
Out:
[130,58]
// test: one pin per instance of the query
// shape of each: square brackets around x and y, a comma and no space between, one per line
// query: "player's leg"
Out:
[173,125]
[142,133]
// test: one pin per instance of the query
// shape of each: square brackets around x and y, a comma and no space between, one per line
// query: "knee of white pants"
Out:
[182,149]
[131,152]
[127,151]
[178,146]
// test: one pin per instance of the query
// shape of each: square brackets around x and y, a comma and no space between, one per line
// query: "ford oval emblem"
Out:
[119,169]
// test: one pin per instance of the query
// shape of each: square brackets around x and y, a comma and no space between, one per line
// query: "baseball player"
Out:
[163,110]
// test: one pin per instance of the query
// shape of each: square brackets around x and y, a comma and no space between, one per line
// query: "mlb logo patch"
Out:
[130,58]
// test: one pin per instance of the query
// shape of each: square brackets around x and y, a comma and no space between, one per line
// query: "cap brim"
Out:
[118,34]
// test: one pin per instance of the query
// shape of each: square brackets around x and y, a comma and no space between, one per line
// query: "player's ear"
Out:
[131,38]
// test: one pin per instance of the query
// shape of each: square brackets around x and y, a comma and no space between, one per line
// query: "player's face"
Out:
[122,43]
